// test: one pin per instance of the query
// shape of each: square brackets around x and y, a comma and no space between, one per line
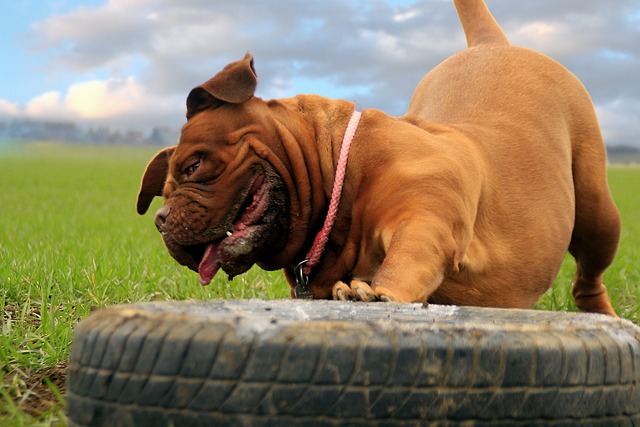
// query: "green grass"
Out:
[623,276]
[70,242]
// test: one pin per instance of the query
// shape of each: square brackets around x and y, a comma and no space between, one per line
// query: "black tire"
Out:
[292,362]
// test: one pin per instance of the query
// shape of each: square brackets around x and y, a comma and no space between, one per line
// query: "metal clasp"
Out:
[302,291]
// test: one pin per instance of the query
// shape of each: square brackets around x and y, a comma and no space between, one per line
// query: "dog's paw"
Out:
[359,291]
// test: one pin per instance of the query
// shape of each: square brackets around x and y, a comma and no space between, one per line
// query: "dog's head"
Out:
[227,184]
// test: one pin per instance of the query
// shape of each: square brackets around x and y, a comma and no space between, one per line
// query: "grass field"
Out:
[70,242]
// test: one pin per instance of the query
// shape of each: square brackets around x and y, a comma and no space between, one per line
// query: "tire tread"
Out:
[155,368]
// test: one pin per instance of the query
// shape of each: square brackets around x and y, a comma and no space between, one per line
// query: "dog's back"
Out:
[534,127]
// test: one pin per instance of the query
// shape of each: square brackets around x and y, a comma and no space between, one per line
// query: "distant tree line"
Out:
[623,154]
[622,149]
[33,130]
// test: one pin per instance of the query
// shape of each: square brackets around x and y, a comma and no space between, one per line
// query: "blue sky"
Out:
[129,64]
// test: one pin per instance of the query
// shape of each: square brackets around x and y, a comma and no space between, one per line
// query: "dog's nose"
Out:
[161,217]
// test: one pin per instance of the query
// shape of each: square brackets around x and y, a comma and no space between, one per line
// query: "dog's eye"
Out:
[189,170]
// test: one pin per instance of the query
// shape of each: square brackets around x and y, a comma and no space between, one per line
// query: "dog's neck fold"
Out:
[303,268]
[304,184]
[318,152]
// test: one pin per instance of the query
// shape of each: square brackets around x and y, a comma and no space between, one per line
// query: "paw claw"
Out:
[365,296]
[342,295]
[342,292]
[385,298]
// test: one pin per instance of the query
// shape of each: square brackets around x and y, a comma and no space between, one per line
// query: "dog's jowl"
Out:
[473,197]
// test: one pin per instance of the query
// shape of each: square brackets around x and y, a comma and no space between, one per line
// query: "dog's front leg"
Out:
[418,255]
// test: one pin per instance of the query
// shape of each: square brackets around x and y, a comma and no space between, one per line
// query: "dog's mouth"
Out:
[256,231]
[240,236]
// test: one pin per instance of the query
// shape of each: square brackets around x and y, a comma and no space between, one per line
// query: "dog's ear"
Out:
[154,178]
[236,83]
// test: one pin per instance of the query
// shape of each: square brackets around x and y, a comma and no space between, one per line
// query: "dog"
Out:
[471,198]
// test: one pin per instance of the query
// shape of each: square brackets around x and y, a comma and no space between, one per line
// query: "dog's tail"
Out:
[480,27]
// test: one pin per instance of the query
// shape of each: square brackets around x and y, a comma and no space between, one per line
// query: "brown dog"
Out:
[473,197]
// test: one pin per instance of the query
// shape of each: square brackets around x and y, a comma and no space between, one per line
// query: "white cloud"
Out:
[539,32]
[105,36]
[103,99]
[8,108]
[405,15]
[115,102]
[49,105]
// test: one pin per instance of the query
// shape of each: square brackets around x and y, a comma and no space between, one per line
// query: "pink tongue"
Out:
[209,265]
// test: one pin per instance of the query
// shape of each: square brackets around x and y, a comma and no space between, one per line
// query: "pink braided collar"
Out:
[303,269]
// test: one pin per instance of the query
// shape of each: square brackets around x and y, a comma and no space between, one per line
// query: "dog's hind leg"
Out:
[596,233]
